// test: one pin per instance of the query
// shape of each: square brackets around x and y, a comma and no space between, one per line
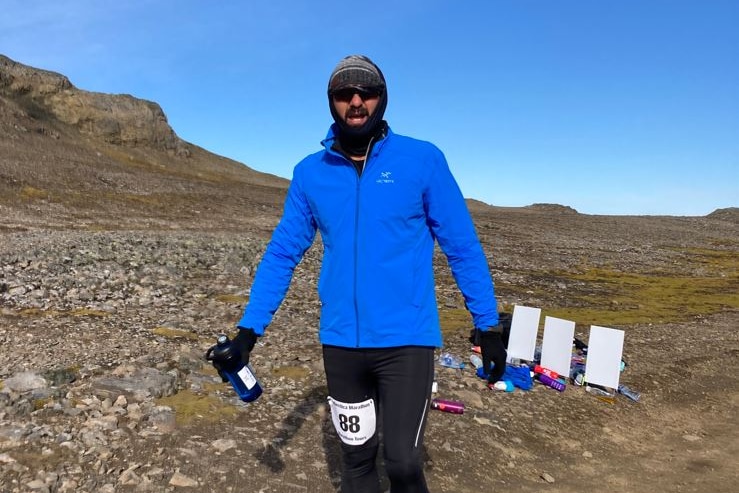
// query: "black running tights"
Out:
[399,381]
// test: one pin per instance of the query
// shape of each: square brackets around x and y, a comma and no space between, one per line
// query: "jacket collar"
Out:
[328,142]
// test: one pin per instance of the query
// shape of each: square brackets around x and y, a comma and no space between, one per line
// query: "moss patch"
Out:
[291,372]
[190,407]
[171,333]
[655,297]
[87,312]
[40,403]
[454,321]
[31,193]
[76,312]
[232,298]
[610,297]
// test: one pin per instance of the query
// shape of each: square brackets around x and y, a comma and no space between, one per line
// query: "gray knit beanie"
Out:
[355,70]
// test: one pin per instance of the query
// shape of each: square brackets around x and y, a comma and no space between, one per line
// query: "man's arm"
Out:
[292,237]
[451,223]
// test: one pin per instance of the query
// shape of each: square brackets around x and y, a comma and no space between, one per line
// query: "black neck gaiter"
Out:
[359,145]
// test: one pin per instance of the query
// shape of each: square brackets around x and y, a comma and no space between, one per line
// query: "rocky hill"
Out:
[73,158]
[124,251]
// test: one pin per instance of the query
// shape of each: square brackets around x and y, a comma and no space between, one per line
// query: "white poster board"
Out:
[603,364]
[524,328]
[556,346]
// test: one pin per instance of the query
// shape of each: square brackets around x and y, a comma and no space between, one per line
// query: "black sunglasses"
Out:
[345,94]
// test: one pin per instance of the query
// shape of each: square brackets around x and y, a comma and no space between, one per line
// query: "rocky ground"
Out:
[124,251]
[104,388]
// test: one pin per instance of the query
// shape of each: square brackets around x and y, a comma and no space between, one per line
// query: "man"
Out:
[379,200]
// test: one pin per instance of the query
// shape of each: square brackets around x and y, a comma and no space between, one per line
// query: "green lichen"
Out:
[75,312]
[170,333]
[626,298]
[31,193]
[40,403]
[611,297]
[454,321]
[232,298]
[190,407]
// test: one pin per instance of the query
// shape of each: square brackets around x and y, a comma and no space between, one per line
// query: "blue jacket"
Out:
[376,284]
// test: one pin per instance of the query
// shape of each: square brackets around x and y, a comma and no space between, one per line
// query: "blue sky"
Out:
[610,107]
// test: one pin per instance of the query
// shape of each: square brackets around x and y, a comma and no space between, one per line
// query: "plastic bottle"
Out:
[597,390]
[454,407]
[240,376]
[579,378]
[476,361]
[552,382]
[546,371]
[577,373]
[450,361]
[630,393]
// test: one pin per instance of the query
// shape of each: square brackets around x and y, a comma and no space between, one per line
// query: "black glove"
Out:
[219,370]
[492,349]
[244,342]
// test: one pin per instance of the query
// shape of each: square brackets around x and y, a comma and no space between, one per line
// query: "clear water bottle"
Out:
[227,357]
[628,392]
[450,361]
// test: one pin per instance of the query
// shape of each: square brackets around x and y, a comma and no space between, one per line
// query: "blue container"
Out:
[227,358]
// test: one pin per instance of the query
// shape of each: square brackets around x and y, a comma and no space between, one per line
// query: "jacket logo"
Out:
[385,177]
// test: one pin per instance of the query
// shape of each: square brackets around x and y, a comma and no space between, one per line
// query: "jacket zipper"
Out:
[356,234]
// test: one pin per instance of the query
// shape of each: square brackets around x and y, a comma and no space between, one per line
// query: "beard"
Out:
[356,113]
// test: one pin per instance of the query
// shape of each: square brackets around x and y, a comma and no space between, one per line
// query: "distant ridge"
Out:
[559,209]
[79,159]
[730,214]
[475,205]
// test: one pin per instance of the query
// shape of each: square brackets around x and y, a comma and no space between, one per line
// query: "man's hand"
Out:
[493,351]
[244,342]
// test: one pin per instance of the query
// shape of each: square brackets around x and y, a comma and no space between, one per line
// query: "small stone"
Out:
[223,444]
[180,480]
[163,418]
[121,401]
[587,455]
[547,477]
[25,381]
[36,484]
[483,421]
[6,459]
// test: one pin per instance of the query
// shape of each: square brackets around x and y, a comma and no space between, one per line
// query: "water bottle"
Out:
[241,377]
[552,382]
[450,361]
[541,370]
[628,392]
[597,390]
[454,407]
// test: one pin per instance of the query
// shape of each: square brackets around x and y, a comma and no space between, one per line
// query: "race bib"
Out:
[355,423]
